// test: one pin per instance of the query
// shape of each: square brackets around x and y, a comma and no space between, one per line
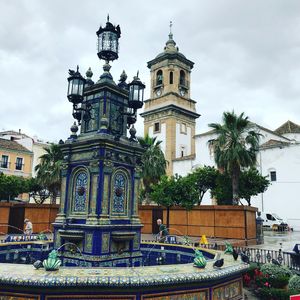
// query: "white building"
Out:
[170,115]
[278,158]
[33,144]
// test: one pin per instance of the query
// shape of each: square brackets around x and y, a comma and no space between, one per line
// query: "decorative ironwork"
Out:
[258,255]
[119,198]
[81,183]
[279,257]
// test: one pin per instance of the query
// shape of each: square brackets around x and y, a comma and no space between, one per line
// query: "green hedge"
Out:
[276,271]
[294,283]
[274,294]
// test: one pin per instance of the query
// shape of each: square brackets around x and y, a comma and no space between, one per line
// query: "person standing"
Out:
[28,227]
[163,231]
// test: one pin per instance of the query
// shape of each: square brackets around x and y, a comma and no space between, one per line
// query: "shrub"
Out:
[251,271]
[274,294]
[279,281]
[294,283]
[275,271]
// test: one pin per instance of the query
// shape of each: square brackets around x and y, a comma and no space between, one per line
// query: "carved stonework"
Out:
[57,240]
[105,242]
[82,156]
[88,247]
[136,242]
[108,166]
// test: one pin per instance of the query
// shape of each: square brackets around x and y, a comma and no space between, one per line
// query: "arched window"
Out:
[182,78]
[80,191]
[120,188]
[159,77]
[171,77]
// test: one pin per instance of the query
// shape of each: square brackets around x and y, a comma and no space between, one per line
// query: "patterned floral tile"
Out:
[139,276]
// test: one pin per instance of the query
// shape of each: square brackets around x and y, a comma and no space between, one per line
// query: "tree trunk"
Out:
[235,184]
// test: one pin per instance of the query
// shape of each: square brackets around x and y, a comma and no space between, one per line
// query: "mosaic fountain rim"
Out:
[117,277]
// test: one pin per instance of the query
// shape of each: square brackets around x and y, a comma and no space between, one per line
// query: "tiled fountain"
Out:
[98,230]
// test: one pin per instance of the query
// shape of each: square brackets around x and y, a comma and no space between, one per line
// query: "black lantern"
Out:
[136,93]
[108,41]
[131,116]
[75,87]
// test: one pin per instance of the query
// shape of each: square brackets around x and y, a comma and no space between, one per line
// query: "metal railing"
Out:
[263,256]
[260,256]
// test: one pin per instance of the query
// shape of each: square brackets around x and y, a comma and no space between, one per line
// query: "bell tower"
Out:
[170,113]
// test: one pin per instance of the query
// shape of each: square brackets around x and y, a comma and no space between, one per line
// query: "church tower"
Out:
[170,113]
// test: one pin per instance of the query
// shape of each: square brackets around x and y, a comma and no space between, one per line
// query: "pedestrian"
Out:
[28,227]
[163,231]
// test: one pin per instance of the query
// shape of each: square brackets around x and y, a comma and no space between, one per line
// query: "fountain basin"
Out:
[152,282]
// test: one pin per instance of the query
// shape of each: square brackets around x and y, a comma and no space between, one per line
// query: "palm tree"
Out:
[235,147]
[48,170]
[153,162]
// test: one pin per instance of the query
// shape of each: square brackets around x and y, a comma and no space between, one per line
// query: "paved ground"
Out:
[272,240]
[285,240]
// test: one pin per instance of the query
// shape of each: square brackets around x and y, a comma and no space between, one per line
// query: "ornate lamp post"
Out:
[108,41]
[117,113]
[100,177]
[76,85]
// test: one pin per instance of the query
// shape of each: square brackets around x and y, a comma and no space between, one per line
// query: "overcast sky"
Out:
[246,54]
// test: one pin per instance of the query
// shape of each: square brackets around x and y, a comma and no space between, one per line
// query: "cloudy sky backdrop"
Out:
[246,54]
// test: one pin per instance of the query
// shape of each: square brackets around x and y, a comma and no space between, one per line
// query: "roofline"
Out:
[170,93]
[259,126]
[171,106]
[167,55]
[271,131]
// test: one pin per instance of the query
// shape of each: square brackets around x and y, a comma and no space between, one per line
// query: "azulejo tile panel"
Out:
[202,294]
[26,276]
[92,297]
[18,296]
[229,291]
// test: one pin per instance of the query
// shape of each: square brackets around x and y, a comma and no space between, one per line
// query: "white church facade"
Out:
[170,115]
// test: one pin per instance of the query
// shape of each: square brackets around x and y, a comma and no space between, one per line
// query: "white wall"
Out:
[160,136]
[183,140]
[38,150]
[283,195]
[182,167]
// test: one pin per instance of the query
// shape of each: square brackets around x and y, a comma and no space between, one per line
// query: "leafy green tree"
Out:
[204,179]
[185,192]
[235,147]
[48,170]
[175,191]
[252,183]
[153,162]
[162,193]
[222,191]
[11,186]
[37,191]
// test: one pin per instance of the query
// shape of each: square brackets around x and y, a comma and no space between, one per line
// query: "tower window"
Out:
[182,151]
[159,77]
[183,128]
[156,127]
[182,78]
[273,176]
[171,77]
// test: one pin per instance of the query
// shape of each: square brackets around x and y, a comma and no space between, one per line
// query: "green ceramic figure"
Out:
[52,263]
[199,260]
[229,248]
